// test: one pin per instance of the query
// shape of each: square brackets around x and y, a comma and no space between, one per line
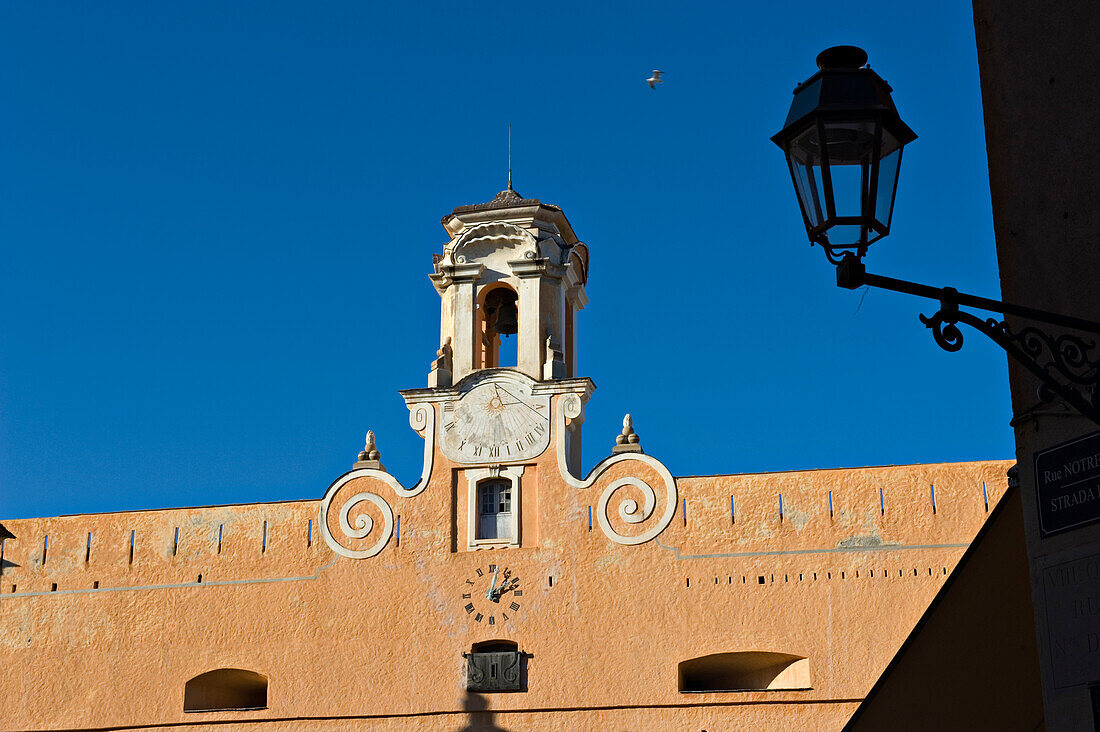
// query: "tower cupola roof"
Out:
[508,205]
[508,198]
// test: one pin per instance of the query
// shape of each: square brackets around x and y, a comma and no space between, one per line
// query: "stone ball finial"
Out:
[628,431]
[370,449]
[369,455]
[628,440]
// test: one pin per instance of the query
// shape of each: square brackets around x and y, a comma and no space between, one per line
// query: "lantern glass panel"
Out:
[850,150]
[887,186]
[805,164]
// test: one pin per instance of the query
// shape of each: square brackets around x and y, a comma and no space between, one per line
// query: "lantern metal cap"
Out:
[843,85]
[842,57]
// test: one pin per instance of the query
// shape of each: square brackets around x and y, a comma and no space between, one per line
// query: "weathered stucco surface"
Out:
[377,643]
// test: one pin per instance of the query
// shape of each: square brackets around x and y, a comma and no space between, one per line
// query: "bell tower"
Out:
[512,268]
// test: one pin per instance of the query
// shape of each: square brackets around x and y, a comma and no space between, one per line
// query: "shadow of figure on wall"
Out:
[480,717]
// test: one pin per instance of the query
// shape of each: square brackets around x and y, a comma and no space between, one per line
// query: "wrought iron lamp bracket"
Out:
[1063,363]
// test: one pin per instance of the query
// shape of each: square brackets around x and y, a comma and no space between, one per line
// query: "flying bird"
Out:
[654,80]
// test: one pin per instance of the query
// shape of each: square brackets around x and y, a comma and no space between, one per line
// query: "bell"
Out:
[506,319]
[502,304]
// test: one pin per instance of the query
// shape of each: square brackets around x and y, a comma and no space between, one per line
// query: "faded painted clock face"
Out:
[492,595]
[498,420]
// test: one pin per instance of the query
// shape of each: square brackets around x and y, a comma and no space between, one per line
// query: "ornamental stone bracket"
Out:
[363,536]
[448,274]
[570,407]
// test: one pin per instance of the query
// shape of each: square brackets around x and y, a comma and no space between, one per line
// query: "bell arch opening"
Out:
[743,671]
[225,689]
[497,327]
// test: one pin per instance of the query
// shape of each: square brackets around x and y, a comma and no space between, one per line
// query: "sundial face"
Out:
[498,420]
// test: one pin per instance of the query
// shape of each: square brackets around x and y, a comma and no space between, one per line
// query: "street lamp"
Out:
[843,140]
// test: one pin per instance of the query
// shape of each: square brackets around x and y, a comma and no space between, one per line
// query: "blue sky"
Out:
[217,221]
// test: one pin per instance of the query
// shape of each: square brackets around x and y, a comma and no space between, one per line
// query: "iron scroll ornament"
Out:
[1061,363]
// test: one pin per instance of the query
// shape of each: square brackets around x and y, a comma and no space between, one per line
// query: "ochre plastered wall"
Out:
[377,643]
[1041,99]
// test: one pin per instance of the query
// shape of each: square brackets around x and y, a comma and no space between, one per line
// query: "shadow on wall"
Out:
[481,718]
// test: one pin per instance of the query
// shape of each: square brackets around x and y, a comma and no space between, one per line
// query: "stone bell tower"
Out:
[512,265]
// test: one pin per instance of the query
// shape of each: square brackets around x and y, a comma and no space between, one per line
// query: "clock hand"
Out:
[491,591]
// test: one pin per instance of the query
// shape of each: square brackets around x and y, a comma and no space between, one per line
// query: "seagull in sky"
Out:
[654,80]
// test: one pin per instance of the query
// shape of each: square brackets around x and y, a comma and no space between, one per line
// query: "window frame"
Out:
[474,476]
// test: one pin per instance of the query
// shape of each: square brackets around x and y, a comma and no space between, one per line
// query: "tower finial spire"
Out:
[509,156]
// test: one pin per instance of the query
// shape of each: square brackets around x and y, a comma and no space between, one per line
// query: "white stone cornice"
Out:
[583,387]
[538,267]
[464,272]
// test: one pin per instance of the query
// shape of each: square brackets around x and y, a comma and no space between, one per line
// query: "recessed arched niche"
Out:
[225,689]
[495,646]
[743,671]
